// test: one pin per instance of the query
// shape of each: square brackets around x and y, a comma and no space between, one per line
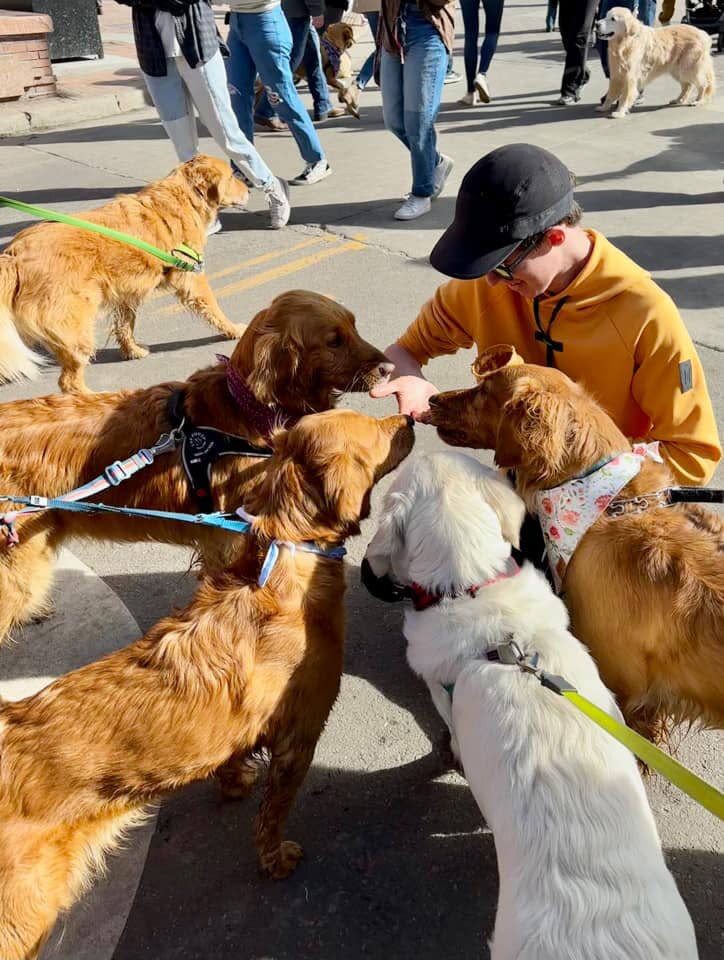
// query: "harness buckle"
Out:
[167,442]
[115,473]
[38,501]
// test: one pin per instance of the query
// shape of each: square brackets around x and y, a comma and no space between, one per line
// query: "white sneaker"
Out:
[276,195]
[469,99]
[214,227]
[443,169]
[413,208]
[481,85]
[313,173]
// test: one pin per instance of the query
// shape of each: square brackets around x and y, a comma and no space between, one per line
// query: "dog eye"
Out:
[335,339]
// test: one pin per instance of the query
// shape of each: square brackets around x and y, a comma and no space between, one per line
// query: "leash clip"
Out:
[168,442]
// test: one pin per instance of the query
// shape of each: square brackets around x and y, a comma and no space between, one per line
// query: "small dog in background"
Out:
[638,54]
[336,40]
[581,869]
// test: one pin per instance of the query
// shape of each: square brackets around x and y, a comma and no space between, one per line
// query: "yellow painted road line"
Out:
[255,261]
[267,276]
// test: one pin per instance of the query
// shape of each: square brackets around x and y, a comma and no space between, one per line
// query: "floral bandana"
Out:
[566,512]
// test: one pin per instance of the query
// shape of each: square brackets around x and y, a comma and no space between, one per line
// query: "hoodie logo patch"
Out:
[686,376]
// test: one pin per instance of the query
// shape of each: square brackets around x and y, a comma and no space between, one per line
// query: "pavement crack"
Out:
[91,166]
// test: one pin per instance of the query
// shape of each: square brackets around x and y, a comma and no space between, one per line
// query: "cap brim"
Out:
[455,256]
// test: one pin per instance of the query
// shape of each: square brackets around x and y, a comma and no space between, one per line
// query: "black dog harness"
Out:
[201,447]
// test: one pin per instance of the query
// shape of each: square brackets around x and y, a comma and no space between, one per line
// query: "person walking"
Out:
[415,40]
[477,82]
[371,11]
[575,20]
[551,13]
[180,58]
[260,40]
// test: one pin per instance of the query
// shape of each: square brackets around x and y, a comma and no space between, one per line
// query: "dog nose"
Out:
[385,369]
[432,401]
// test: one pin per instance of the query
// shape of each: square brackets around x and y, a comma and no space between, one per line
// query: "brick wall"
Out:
[25,69]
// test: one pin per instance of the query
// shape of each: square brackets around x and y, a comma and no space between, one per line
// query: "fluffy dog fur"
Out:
[638,54]
[582,874]
[645,591]
[298,355]
[55,279]
[240,669]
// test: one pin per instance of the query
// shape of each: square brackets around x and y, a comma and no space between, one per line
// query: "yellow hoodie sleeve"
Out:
[669,386]
[439,328]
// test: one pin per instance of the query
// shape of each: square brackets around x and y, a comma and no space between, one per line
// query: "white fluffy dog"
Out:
[637,54]
[582,874]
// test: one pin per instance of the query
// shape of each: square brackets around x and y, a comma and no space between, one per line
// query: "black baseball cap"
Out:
[511,194]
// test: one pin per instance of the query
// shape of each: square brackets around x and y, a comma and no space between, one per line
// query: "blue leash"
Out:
[222,521]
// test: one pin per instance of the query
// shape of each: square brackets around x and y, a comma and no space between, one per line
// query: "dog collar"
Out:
[423,599]
[568,511]
[263,417]
[306,546]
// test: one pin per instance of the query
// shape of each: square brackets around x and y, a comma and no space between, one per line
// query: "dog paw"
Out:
[136,352]
[234,332]
[282,861]
[619,114]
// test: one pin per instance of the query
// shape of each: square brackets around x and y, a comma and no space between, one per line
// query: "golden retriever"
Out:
[242,668]
[638,54]
[55,279]
[296,357]
[336,40]
[645,590]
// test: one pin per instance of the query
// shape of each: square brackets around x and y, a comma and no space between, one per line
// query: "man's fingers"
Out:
[384,389]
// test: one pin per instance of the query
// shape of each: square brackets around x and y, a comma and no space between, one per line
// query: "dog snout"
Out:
[410,420]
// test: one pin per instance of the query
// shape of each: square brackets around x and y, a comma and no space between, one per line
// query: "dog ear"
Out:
[347,481]
[269,355]
[389,536]
[204,174]
[508,507]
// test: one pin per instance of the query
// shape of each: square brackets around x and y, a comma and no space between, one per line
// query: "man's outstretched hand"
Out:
[413,393]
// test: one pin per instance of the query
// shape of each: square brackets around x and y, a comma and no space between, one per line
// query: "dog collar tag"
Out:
[269,560]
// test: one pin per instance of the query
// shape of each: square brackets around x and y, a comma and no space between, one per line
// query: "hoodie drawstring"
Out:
[545,335]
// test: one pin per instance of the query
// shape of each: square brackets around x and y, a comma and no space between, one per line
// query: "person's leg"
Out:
[493,19]
[332,15]
[647,12]
[423,77]
[365,74]
[392,98]
[311,56]
[575,20]
[209,90]
[173,102]
[551,15]
[241,73]
[471,23]
[269,40]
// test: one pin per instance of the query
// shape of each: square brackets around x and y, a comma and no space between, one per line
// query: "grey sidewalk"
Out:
[398,863]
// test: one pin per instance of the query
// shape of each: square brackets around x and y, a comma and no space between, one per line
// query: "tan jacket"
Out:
[438,12]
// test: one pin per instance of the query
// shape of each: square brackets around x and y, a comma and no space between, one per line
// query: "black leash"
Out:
[544,336]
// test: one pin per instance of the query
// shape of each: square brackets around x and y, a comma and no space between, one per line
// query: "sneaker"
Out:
[214,227]
[567,99]
[312,173]
[481,85]
[276,195]
[443,169]
[413,208]
[469,99]
[270,123]
[453,77]
[329,114]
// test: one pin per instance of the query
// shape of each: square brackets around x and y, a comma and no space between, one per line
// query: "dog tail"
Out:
[17,360]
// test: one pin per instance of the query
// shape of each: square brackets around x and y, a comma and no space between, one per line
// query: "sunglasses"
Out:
[505,272]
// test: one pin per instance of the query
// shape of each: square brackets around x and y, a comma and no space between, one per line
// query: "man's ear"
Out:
[390,534]
[506,504]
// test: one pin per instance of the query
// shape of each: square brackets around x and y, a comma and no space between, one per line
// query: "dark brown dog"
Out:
[296,357]
[242,668]
[646,590]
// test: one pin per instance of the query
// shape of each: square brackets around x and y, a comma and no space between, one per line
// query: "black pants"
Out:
[575,19]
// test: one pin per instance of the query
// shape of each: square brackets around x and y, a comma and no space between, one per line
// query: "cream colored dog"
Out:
[637,54]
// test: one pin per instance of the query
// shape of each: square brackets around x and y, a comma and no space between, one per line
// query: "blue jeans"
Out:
[607,5]
[263,42]
[551,14]
[368,67]
[647,11]
[493,16]
[306,50]
[205,87]
[411,93]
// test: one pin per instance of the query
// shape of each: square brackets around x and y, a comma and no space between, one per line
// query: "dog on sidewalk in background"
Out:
[297,356]
[243,668]
[55,279]
[336,40]
[582,873]
[638,54]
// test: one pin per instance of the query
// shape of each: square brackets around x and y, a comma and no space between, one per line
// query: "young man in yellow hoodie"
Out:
[527,274]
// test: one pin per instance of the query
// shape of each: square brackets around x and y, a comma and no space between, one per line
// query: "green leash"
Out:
[686,780]
[182,257]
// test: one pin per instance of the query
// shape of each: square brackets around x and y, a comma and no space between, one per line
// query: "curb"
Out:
[67,109]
